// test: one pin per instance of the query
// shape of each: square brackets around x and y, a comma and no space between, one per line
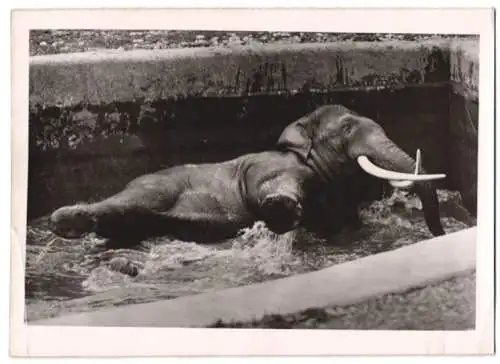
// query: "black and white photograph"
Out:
[268,180]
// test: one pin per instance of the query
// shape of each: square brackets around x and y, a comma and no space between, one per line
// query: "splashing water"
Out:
[69,275]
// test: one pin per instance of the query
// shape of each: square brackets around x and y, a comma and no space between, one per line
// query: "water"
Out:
[68,276]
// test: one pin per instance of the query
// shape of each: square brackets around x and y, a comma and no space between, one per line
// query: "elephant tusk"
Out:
[418,162]
[418,168]
[401,184]
[376,171]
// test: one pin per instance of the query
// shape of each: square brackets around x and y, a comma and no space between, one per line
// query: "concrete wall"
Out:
[108,77]
[98,120]
[464,119]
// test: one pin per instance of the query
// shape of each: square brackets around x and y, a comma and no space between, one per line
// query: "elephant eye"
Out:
[348,124]
[347,128]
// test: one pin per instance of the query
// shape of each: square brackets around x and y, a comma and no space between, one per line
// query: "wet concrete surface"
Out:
[449,305]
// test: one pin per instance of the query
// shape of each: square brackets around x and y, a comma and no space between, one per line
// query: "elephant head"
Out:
[334,140]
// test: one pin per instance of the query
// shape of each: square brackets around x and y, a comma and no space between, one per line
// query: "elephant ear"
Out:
[296,138]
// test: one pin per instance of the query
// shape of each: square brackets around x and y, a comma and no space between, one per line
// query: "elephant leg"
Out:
[281,204]
[207,216]
[281,213]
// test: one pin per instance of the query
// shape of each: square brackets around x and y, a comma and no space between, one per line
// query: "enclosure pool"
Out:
[88,147]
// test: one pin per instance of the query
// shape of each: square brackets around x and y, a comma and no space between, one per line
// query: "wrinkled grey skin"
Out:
[211,202]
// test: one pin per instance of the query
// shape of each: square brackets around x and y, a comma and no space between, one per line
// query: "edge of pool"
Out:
[418,265]
[110,76]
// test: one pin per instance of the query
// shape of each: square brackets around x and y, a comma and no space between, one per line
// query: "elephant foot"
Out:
[124,266]
[282,213]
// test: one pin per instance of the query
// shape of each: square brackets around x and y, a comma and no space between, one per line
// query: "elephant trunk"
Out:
[390,157]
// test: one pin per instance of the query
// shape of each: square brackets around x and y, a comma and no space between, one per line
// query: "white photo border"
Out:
[87,341]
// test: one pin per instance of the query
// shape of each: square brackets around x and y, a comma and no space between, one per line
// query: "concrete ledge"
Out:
[409,267]
[109,77]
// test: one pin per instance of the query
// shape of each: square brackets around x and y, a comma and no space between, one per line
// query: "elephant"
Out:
[284,187]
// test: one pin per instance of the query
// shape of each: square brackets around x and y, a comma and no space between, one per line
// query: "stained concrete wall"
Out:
[98,120]
[464,119]
[109,77]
